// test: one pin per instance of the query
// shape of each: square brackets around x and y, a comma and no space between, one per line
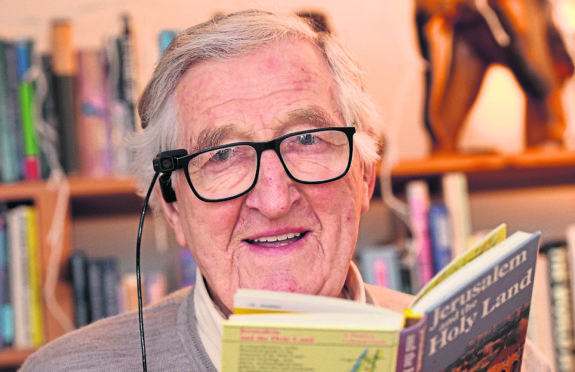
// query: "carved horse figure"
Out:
[460,39]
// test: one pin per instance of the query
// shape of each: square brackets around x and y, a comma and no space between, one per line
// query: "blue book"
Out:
[440,236]
[3,243]
[6,315]
[6,165]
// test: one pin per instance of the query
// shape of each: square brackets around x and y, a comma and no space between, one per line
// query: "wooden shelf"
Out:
[103,197]
[492,171]
[101,187]
[13,357]
[22,190]
[78,187]
[484,162]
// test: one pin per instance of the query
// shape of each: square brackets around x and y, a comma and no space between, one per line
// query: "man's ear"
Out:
[173,216]
[369,175]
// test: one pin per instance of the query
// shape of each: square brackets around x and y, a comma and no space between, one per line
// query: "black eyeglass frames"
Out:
[228,171]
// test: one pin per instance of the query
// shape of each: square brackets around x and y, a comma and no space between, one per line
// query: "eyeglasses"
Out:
[228,171]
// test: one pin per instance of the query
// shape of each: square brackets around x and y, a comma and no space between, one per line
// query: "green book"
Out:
[25,50]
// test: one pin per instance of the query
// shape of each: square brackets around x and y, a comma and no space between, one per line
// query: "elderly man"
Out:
[273,143]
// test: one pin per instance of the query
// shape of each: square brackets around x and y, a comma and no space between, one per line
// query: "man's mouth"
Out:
[277,240]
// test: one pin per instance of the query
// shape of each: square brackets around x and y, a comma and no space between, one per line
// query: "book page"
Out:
[248,301]
[309,342]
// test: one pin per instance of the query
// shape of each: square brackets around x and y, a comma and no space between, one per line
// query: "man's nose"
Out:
[275,192]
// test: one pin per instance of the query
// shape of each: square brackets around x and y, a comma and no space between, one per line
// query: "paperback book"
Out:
[473,313]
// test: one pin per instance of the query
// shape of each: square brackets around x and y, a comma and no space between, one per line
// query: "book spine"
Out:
[8,164]
[540,329]
[36,312]
[93,126]
[65,71]
[570,242]
[6,314]
[79,278]
[559,281]
[411,345]
[49,149]
[95,290]
[3,279]
[110,286]
[25,50]
[16,158]
[418,201]
[20,286]
[456,197]
[122,92]
[440,235]
[127,83]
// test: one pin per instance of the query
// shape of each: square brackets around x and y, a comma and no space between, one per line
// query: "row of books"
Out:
[100,290]
[440,230]
[21,310]
[69,108]
[19,149]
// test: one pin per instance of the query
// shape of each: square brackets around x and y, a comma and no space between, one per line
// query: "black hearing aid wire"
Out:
[138,275]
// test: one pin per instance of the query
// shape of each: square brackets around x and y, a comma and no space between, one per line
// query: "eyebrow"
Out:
[315,116]
[213,136]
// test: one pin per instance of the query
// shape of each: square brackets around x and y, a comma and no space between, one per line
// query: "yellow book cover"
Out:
[476,314]
[35,297]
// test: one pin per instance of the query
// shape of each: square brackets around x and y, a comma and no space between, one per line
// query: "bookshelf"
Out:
[530,191]
[493,171]
[87,197]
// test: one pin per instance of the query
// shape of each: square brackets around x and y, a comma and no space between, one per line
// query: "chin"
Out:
[281,284]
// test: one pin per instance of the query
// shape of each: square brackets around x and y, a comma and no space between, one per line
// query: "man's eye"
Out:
[222,155]
[308,139]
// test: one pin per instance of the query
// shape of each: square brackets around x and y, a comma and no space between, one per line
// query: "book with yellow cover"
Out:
[473,313]
[34,279]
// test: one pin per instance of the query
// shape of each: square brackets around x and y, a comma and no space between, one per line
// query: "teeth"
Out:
[278,238]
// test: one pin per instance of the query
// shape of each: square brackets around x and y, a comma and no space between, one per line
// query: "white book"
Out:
[19,276]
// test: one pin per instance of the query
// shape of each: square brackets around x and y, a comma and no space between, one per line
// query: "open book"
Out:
[473,313]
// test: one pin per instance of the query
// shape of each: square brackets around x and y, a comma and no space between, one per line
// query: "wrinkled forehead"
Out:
[260,91]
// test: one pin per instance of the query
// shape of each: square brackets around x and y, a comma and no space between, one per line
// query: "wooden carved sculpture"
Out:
[460,39]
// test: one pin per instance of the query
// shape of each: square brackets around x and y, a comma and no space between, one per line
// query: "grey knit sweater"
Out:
[113,344]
